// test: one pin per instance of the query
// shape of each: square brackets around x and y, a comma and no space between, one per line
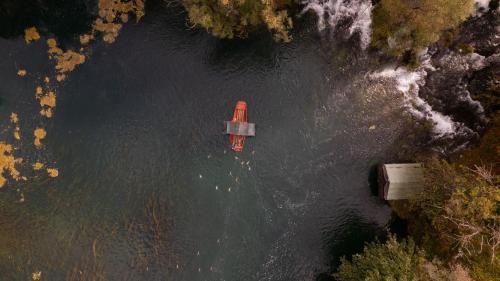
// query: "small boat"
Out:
[238,128]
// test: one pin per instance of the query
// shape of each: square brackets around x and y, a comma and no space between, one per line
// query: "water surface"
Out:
[149,188]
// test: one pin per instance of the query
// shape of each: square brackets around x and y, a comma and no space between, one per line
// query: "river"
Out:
[148,188]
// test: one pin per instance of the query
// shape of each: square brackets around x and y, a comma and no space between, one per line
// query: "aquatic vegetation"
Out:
[38,166]
[47,102]
[112,13]
[31,34]
[68,61]
[36,275]
[408,26]
[53,172]
[39,135]
[146,239]
[148,236]
[15,121]
[13,118]
[234,18]
[111,9]
[53,49]
[8,163]
[38,91]
[65,61]
[17,133]
[85,39]
[89,269]
[60,77]
[110,30]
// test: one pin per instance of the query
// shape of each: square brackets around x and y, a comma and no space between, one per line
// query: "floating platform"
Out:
[241,129]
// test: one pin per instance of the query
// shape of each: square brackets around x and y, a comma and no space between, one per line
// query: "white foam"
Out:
[362,23]
[482,4]
[332,11]
[408,83]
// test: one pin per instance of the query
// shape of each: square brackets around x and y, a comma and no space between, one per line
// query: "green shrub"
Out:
[390,261]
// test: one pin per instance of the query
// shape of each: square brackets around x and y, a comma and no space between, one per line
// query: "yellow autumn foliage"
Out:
[235,18]
[31,34]
[408,26]
[53,172]
[39,135]
[8,163]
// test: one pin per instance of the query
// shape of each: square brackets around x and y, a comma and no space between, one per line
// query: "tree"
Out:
[390,261]
[234,18]
[401,26]
[397,261]
[458,216]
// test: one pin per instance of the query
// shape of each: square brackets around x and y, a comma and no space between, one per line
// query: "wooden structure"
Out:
[400,181]
[240,129]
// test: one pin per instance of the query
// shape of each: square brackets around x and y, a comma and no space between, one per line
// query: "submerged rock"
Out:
[461,77]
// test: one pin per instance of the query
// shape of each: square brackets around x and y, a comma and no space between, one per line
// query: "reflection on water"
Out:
[147,187]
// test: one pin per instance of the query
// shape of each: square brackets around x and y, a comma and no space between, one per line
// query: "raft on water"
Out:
[238,128]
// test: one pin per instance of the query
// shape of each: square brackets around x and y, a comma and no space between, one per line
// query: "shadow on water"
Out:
[350,240]
[64,19]
[373,180]
[259,50]
[254,52]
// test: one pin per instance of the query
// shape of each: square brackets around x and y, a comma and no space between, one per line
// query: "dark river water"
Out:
[148,188]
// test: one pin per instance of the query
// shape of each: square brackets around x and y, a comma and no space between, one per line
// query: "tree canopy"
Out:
[401,26]
[458,216]
[234,18]
[390,261]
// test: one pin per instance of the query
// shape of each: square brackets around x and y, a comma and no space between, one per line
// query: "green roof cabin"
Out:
[400,181]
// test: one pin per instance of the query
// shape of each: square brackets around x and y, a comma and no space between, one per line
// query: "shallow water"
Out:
[148,187]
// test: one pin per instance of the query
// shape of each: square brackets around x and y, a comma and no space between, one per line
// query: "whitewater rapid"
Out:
[357,14]
[349,17]
[408,83]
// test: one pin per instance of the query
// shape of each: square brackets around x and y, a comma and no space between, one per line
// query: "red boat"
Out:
[239,128]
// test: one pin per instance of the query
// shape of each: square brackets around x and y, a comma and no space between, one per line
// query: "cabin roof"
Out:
[401,181]
[404,173]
